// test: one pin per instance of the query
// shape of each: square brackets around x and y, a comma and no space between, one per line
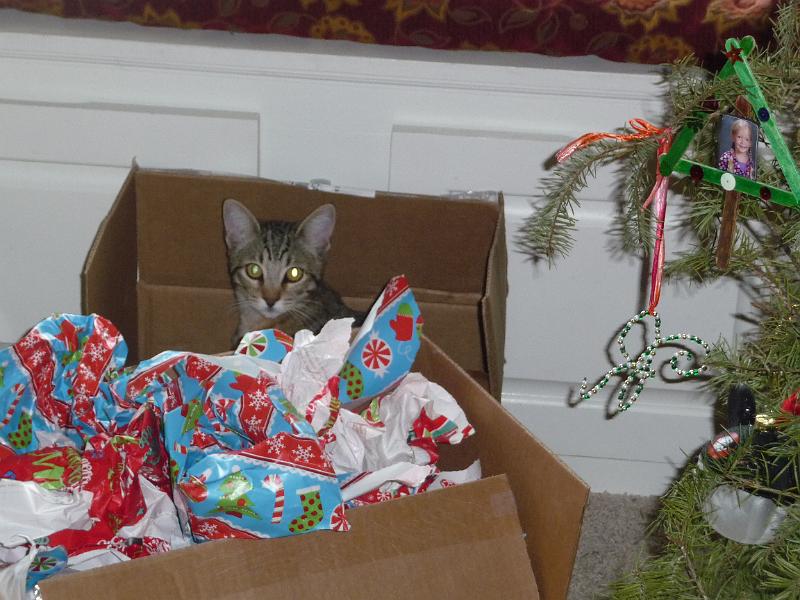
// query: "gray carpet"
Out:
[612,539]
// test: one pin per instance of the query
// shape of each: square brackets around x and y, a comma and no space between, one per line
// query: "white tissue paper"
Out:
[308,371]
[32,511]
[379,447]
[362,446]
[13,578]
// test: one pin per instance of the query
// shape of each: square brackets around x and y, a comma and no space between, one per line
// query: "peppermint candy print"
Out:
[339,520]
[376,355]
[46,563]
[385,349]
[270,344]
[253,344]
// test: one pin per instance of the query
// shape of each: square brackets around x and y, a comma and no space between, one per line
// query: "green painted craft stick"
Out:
[767,121]
[679,145]
[743,184]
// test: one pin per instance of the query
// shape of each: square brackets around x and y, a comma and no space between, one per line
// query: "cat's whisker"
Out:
[235,308]
[239,304]
[301,312]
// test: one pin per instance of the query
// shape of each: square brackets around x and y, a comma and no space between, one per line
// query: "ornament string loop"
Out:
[658,198]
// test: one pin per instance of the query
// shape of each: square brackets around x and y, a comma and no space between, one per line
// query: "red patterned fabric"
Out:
[641,31]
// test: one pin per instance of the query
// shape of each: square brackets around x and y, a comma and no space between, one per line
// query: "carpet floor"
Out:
[613,538]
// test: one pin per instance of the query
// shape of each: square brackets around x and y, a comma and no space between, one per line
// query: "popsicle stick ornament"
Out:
[673,161]
[727,228]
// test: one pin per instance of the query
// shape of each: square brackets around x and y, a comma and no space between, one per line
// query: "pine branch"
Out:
[636,226]
[548,233]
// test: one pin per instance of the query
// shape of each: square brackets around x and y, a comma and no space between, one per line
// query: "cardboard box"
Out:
[467,541]
[158,266]
[158,270]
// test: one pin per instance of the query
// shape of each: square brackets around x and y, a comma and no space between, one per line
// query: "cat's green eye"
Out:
[294,274]
[253,270]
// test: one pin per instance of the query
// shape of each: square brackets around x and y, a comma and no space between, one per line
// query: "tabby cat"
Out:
[276,270]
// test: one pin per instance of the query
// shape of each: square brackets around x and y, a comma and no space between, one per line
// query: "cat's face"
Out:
[275,265]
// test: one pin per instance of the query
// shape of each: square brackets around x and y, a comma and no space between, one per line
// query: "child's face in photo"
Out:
[742,141]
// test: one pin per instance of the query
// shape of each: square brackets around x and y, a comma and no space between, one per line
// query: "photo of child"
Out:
[737,144]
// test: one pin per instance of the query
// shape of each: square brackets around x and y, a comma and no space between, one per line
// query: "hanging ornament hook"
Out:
[637,371]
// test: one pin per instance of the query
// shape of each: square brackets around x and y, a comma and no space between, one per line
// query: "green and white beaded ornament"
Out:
[638,371]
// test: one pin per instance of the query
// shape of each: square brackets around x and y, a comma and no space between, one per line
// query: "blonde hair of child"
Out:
[739,125]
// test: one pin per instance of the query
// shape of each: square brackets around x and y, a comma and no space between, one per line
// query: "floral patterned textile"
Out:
[639,31]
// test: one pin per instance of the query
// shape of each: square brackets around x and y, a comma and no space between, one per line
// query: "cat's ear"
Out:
[241,227]
[317,228]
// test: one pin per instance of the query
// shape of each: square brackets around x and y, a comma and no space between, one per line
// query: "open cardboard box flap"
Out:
[158,266]
[391,552]
[513,534]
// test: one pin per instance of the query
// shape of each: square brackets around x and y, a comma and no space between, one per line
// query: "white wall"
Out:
[79,100]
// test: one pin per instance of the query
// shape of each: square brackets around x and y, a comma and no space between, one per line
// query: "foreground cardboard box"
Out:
[158,266]
[514,534]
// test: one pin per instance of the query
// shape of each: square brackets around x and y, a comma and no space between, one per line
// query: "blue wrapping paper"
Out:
[242,460]
[232,440]
[385,348]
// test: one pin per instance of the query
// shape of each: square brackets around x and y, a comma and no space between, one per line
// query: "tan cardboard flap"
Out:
[493,307]
[550,497]
[456,329]
[461,542]
[359,261]
[109,273]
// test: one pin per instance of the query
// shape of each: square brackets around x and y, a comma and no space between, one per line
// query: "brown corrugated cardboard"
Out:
[466,541]
[422,547]
[158,266]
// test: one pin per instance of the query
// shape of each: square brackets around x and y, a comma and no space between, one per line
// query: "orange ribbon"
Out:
[643,129]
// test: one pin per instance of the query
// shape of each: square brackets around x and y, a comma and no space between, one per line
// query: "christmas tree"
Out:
[695,560]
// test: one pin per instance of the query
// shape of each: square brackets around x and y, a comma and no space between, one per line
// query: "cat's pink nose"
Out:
[270,297]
